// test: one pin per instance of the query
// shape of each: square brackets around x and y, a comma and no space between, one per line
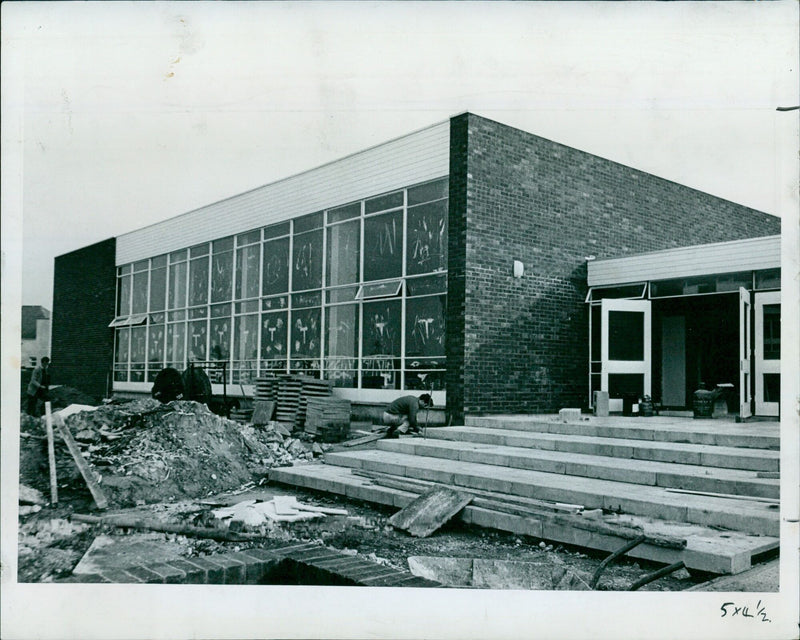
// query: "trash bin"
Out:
[703,403]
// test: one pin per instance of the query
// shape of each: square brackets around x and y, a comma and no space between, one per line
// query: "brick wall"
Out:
[516,196]
[84,291]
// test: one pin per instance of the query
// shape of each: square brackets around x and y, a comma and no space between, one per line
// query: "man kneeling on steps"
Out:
[401,415]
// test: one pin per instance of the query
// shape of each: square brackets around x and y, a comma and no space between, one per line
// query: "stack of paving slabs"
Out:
[267,388]
[312,388]
[328,419]
[289,391]
[243,415]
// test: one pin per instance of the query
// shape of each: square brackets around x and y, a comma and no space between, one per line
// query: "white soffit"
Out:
[414,158]
[697,260]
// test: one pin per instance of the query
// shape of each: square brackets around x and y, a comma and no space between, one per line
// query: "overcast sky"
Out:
[122,115]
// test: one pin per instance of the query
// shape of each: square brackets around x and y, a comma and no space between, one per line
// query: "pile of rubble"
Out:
[144,451]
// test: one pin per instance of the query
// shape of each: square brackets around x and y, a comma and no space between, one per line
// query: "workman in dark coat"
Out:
[401,415]
[39,385]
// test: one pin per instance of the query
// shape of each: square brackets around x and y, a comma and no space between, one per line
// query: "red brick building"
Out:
[455,259]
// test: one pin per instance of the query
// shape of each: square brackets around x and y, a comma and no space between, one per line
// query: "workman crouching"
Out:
[401,415]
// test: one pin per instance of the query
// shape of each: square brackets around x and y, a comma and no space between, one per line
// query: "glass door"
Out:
[767,354]
[625,350]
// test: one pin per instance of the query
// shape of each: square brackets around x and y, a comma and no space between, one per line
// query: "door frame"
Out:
[762,366]
[609,366]
[745,349]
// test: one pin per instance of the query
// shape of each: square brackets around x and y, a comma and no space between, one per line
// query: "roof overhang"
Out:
[697,260]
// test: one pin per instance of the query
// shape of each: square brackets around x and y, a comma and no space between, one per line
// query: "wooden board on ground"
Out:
[430,511]
[364,440]
[88,475]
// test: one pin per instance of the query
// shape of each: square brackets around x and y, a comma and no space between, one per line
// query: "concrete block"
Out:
[569,415]
[234,569]
[215,573]
[600,403]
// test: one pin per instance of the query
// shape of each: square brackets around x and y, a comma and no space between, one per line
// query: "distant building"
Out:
[35,335]
[500,271]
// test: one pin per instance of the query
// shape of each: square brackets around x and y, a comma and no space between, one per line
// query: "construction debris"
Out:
[144,451]
[253,513]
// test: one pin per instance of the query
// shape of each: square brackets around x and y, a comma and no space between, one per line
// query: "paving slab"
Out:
[648,472]
[695,454]
[721,552]
[752,517]
[760,435]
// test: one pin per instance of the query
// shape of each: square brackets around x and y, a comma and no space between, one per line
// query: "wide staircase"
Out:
[712,483]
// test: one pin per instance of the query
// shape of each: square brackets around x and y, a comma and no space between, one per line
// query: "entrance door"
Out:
[745,397]
[625,349]
[767,354]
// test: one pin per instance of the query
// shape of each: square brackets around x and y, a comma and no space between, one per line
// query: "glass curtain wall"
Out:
[355,294]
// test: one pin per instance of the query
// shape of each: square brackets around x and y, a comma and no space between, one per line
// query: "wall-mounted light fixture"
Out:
[519,269]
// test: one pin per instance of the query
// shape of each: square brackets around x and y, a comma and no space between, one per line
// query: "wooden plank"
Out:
[88,475]
[364,440]
[429,511]
[51,454]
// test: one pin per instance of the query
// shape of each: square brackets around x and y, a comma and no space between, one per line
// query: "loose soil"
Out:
[163,462]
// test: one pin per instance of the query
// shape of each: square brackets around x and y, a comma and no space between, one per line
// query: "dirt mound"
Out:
[148,452]
[64,396]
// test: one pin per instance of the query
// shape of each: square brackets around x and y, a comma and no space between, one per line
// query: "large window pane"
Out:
[121,355]
[220,330]
[221,276]
[427,238]
[247,271]
[772,332]
[198,281]
[274,341]
[383,246]
[158,289]
[177,285]
[425,327]
[155,350]
[305,339]
[198,334]
[427,192]
[307,261]
[341,345]
[276,267]
[176,343]
[139,297]
[625,335]
[246,338]
[124,293]
[245,349]
[138,353]
[381,349]
[343,253]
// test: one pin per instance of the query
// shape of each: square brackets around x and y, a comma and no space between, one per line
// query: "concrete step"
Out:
[763,435]
[721,552]
[644,472]
[742,515]
[693,454]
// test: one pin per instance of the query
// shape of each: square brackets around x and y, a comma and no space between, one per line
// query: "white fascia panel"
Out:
[697,260]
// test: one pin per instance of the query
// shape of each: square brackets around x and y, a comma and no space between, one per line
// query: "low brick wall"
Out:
[309,564]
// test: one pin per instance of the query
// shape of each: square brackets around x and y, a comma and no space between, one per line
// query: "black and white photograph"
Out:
[400,320]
